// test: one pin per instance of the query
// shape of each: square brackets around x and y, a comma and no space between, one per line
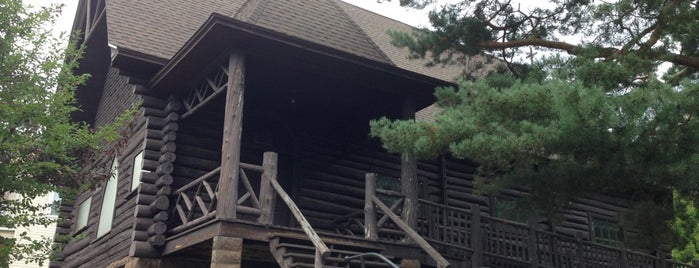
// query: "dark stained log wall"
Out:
[85,249]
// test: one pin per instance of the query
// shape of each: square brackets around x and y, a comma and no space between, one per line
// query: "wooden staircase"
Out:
[292,252]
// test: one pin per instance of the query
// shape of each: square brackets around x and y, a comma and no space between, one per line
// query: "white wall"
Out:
[34,232]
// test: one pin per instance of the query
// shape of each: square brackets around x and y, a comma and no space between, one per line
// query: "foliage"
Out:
[687,229]
[588,117]
[41,149]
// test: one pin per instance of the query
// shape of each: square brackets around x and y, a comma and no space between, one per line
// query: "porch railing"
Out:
[372,225]
[489,241]
[196,202]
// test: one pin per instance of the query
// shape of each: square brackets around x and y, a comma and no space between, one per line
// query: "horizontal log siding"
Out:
[575,218]
[85,249]
[331,176]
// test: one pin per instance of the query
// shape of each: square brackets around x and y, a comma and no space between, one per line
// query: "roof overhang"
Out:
[220,35]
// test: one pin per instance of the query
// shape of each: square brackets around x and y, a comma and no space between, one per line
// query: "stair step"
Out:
[297,251]
[310,265]
[311,248]
[360,244]
[333,259]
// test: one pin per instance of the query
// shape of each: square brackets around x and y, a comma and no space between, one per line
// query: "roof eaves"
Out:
[218,20]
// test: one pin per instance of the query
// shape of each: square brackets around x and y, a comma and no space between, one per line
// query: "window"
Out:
[108,200]
[605,231]
[137,168]
[55,203]
[83,214]
[506,208]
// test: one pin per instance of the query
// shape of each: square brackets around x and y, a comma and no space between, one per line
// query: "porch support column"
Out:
[408,174]
[226,252]
[232,129]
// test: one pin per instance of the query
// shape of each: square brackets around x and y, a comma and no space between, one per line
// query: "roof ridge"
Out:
[251,11]
[366,36]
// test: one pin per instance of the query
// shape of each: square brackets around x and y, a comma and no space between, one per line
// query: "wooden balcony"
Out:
[446,236]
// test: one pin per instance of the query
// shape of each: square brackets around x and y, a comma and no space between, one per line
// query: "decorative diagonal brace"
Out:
[208,88]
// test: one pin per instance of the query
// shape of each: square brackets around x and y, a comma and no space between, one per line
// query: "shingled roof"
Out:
[161,28]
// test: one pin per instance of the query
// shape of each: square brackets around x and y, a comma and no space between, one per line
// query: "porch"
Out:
[444,236]
[314,200]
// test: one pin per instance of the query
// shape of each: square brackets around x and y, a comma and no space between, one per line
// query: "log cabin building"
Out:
[251,148]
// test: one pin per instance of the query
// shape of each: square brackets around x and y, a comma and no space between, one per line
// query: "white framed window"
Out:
[137,169]
[83,214]
[108,201]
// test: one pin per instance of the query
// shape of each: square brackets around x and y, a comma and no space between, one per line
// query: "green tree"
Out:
[565,118]
[41,149]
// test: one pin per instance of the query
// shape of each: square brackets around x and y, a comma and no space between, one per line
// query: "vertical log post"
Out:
[267,195]
[579,249]
[409,182]
[409,188]
[226,252]
[660,253]
[232,129]
[370,227]
[532,243]
[476,236]
[623,258]
[318,260]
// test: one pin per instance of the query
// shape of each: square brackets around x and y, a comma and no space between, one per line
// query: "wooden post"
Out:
[695,263]
[370,227]
[318,260]
[408,174]
[226,252]
[476,236]
[232,129]
[623,259]
[409,188]
[532,243]
[134,262]
[267,195]
[579,249]
[660,253]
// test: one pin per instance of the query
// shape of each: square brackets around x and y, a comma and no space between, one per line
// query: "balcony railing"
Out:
[442,231]
[489,241]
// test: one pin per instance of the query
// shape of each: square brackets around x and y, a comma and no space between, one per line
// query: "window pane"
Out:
[83,213]
[137,167]
[107,211]
[55,203]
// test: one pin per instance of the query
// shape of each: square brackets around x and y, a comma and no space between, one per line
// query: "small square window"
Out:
[506,208]
[605,231]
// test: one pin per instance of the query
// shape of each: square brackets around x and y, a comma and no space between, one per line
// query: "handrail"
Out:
[371,254]
[441,261]
[197,181]
[321,248]
[252,167]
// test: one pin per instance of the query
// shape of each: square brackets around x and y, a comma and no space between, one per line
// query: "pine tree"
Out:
[600,115]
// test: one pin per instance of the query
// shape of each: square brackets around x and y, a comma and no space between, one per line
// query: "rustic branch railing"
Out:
[371,224]
[488,241]
[267,193]
[195,202]
[248,203]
